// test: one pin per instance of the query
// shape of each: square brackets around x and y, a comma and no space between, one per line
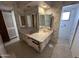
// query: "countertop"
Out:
[40,36]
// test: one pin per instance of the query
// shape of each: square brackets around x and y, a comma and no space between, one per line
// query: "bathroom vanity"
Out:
[38,40]
[38,30]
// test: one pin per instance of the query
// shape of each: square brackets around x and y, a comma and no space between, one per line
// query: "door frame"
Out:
[15,24]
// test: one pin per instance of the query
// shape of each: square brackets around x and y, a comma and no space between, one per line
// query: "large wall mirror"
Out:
[29,20]
[45,21]
[22,21]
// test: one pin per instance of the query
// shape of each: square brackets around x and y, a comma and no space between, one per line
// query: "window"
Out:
[65,15]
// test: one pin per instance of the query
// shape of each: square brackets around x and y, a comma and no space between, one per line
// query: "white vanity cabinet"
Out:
[38,46]
[38,40]
[31,42]
[43,44]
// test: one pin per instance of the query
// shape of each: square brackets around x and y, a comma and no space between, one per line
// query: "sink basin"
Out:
[41,32]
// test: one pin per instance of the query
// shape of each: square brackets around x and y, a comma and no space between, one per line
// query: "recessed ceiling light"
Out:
[45,6]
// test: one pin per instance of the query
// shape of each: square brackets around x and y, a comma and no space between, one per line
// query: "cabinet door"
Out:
[33,43]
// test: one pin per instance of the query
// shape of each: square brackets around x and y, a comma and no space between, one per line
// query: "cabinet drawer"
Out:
[33,43]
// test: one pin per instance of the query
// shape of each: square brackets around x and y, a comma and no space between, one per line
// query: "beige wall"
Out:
[56,13]
[55,10]
[31,10]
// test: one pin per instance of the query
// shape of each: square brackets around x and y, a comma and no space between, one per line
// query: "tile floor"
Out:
[21,50]
[62,50]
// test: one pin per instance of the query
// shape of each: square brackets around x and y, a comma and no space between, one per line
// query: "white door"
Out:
[75,45]
[66,23]
[7,15]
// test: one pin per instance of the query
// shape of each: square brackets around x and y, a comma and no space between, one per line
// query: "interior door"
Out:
[7,15]
[66,23]
[75,44]
[3,29]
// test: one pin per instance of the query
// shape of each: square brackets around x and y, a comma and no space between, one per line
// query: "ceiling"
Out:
[64,3]
[35,3]
[24,3]
[21,3]
[27,4]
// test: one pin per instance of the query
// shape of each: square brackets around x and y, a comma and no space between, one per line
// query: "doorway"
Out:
[9,19]
[3,29]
